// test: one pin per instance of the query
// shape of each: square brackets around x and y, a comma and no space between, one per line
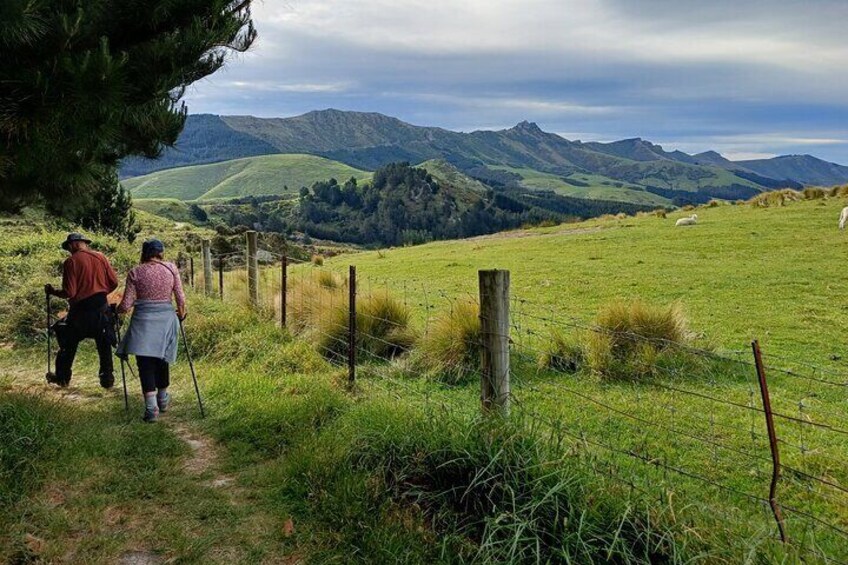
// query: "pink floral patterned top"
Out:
[155,281]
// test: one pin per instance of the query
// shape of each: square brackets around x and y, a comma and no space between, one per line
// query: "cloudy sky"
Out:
[749,78]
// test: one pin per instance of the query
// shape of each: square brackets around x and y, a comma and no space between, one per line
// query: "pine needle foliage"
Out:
[84,84]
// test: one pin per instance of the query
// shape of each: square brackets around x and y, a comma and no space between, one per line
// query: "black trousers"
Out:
[154,373]
[88,319]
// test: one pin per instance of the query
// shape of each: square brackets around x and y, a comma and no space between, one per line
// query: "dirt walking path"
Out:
[203,467]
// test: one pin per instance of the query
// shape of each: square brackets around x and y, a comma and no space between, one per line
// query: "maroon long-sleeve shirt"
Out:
[86,273]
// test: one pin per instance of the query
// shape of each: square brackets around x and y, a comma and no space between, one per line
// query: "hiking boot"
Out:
[107,380]
[150,416]
[53,379]
[163,400]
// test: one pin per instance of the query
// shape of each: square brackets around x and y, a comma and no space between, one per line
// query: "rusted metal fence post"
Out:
[351,338]
[284,284]
[206,246]
[772,435]
[221,276]
[494,333]
[253,268]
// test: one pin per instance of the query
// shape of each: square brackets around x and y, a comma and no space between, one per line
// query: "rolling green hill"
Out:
[595,187]
[253,176]
[742,272]
[368,140]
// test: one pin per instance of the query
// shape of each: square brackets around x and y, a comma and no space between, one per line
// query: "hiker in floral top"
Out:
[154,328]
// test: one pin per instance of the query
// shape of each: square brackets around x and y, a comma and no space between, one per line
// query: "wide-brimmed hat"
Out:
[72,237]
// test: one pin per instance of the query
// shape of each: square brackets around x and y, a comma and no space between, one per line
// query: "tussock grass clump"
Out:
[713,203]
[383,328]
[814,193]
[328,279]
[564,352]
[318,260]
[488,491]
[775,198]
[839,191]
[451,349]
[660,213]
[310,305]
[632,337]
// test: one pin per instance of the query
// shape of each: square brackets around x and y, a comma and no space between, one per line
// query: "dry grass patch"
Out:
[631,338]
[450,351]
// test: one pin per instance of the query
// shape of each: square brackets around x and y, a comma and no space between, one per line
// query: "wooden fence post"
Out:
[206,246]
[221,276]
[182,267]
[351,337]
[253,268]
[772,435]
[191,271]
[284,284]
[494,333]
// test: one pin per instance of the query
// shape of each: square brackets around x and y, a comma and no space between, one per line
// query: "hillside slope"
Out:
[716,270]
[205,139]
[811,169]
[267,175]
[368,140]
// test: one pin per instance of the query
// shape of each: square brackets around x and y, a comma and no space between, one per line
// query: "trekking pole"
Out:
[193,375]
[49,339]
[123,369]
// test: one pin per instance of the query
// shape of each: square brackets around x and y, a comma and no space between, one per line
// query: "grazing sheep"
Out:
[843,218]
[690,221]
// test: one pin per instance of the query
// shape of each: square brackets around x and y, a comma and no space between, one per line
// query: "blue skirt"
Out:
[153,332]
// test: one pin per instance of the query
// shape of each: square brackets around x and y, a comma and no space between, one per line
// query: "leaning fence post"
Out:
[206,246]
[351,334]
[252,268]
[284,283]
[221,276]
[494,333]
[772,435]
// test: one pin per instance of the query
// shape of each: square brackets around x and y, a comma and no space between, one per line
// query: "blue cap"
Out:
[152,247]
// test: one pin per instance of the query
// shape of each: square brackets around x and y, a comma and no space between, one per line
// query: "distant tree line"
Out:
[403,205]
[406,205]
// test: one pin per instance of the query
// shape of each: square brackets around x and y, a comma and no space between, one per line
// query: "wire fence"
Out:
[742,435]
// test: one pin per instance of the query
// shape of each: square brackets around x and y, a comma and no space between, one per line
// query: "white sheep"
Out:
[690,221]
[843,218]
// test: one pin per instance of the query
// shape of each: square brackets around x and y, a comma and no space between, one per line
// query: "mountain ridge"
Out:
[368,140]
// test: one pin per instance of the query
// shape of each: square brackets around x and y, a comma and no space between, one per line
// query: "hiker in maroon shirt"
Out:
[87,279]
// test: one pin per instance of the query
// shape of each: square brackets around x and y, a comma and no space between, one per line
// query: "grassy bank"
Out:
[402,468]
[393,471]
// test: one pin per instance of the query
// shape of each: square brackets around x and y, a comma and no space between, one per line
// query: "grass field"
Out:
[595,187]
[741,274]
[252,176]
[586,469]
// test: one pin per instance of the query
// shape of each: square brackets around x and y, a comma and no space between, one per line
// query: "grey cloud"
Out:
[678,72]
